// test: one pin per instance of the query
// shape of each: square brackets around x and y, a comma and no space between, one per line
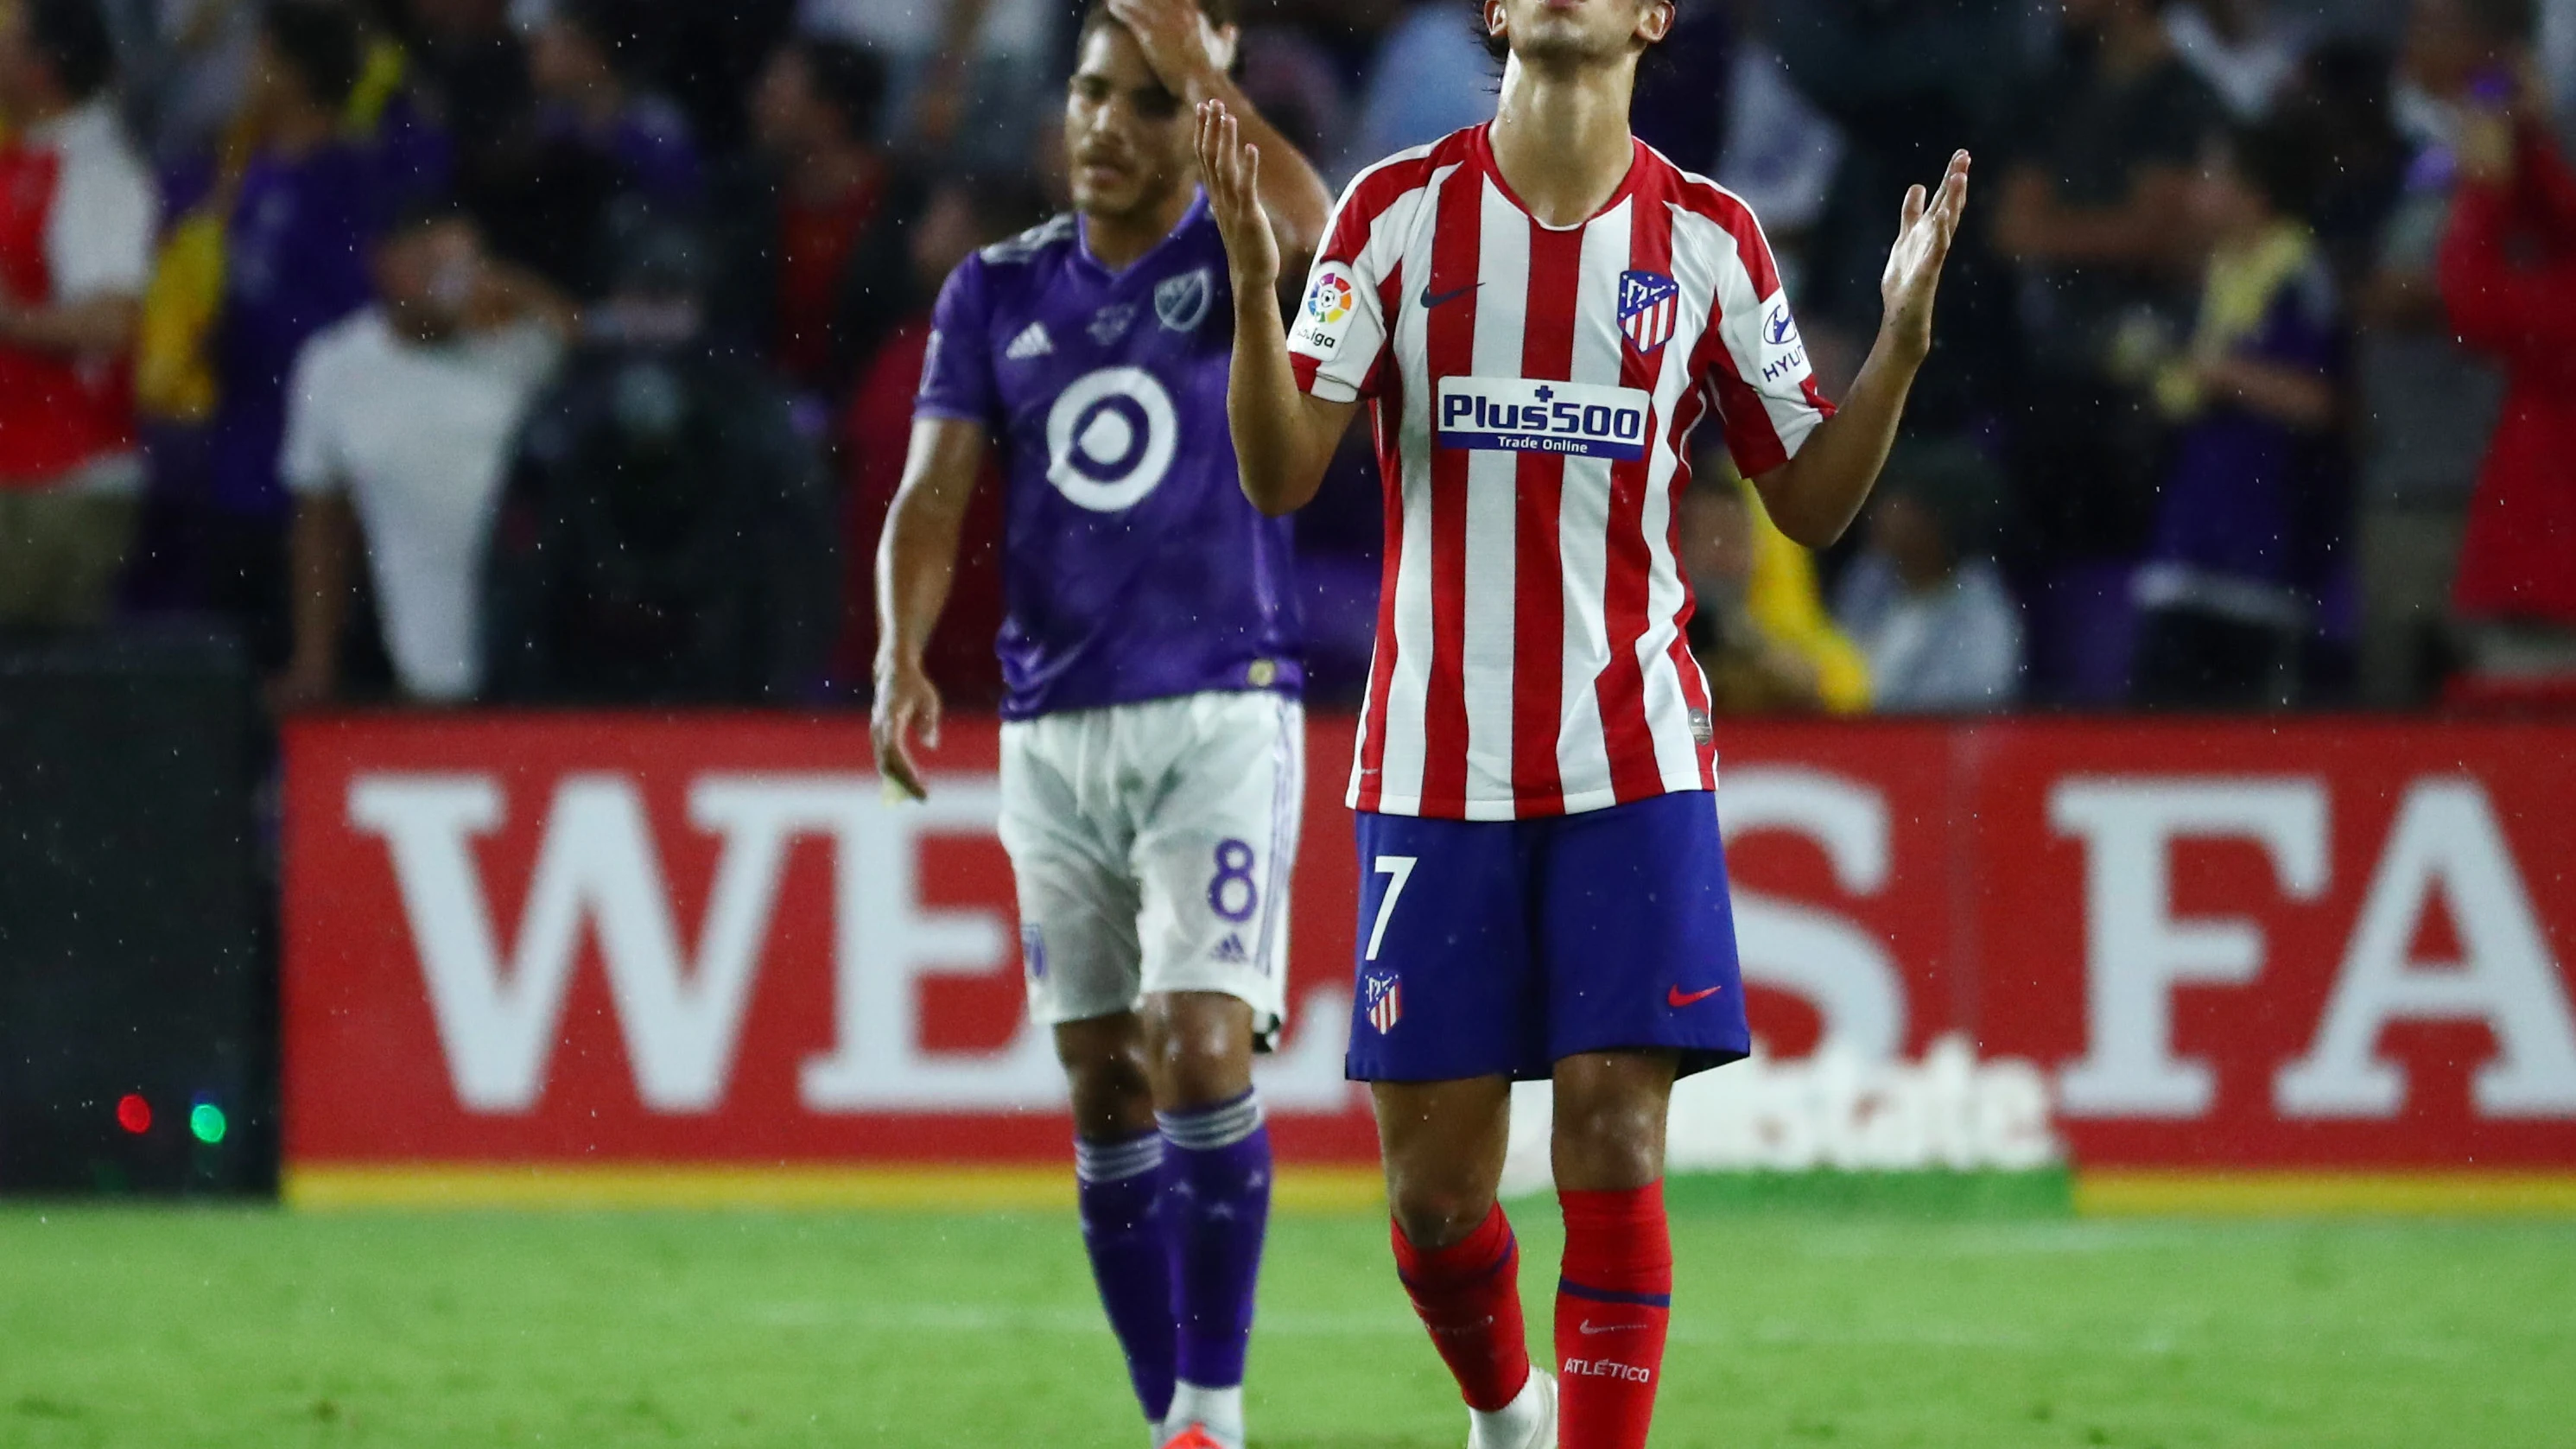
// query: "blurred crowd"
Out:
[563,350]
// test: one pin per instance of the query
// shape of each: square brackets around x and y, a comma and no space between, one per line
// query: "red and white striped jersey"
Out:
[1535,389]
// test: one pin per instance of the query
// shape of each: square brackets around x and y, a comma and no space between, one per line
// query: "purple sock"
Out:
[1123,1229]
[1217,1175]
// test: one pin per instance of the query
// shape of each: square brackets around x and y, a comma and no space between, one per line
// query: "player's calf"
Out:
[1118,1156]
[1216,1173]
[1614,1298]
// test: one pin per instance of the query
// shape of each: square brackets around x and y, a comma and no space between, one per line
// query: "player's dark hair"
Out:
[319,42]
[73,38]
[1497,47]
[2283,159]
[849,78]
[1220,13]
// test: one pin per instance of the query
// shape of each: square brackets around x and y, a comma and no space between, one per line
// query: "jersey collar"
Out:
[1082,239]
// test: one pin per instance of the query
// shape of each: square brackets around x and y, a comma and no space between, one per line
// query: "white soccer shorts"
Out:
[1152,845]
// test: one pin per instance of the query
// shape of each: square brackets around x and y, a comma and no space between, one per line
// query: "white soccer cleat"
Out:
[1527,1422]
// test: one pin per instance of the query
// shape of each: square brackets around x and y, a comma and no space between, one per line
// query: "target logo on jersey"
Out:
[1578,419]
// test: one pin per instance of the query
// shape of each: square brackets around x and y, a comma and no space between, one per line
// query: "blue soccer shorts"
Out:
[1498,948]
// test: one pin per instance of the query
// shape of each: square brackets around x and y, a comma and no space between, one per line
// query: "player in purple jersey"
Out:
[1152,742]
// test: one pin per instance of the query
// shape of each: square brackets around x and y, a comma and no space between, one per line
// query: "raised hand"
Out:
[1230,169]
[1929,224]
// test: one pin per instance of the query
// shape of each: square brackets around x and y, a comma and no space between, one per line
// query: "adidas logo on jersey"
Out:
[1231,950]
[1032,342]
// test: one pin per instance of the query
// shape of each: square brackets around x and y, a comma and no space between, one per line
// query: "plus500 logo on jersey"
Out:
[1578,419]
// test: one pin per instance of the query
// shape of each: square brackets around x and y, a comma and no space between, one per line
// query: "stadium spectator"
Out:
[77,216]
[2508,276]
[2247,525]
[295,225]
[1759,627]
[1899,81]
[665,536]
[2427,406]
[813,269]
[470,125]
[1429,77]
[2341,93]
[599,137]
[973,75]
[2093,207]
[1924,600]
[187,81]
[965,212]
[2245,49]
[400,421]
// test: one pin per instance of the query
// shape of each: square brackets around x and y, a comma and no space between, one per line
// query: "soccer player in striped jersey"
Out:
[1152,743]
[1540,311]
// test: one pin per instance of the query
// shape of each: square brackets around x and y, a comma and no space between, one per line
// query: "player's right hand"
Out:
[1230,169]
[906,702]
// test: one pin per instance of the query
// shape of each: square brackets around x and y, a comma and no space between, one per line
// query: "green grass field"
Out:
[167,1329]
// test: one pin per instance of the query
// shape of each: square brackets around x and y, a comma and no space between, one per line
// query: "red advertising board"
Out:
[710,939]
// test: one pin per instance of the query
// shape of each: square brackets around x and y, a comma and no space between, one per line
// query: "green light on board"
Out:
[206,1120]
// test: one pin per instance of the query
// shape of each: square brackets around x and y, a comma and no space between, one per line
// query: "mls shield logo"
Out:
[1649,304]
[1385,996]
[1182,302]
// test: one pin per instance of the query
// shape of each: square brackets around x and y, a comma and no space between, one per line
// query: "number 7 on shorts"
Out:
[1400,869]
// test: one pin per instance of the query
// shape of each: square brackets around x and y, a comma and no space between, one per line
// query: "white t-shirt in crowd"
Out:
[98,236]
[419,438]
[98,241]
[912,28]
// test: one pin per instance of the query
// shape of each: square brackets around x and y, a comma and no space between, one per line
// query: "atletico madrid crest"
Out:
[1649,304]
[1385,1001]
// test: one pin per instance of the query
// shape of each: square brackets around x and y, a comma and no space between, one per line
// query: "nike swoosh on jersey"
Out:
[1429,300]
[1676,998]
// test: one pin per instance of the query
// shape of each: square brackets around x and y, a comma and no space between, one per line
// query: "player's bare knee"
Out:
[1199,1047]
[1609,1120]
[1105,1070]
[1436,1212]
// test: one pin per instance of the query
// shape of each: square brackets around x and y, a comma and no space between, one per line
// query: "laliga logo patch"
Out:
[1329,300]
[1327,313]
[1650,305]
[1511,414]
[1110,438]
[1033,950]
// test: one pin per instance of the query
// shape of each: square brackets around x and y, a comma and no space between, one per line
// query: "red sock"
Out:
[1469,1296]
[1612,1307]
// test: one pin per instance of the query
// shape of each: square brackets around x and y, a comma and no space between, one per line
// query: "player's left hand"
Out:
[1182,45]
[1929,224]
[907,703]
[1230,169]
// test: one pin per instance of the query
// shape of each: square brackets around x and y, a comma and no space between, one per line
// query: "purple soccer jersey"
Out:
[1133,566]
